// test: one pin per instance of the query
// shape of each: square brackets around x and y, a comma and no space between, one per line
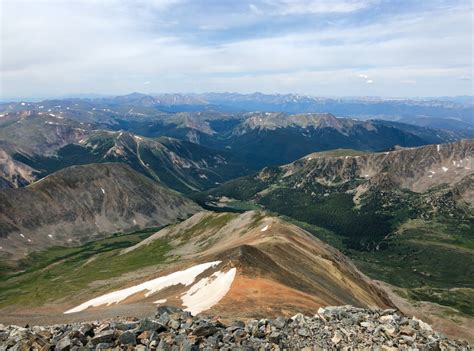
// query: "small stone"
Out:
[408,339]
[389,329]
[274,337]
[174,324]
[103,337]
[205,330]
[387,318]
[150,325]
[407,330]
[303,332]
[239,324]
[87,329]
[126,326]
[239,334]
[279,323]
[336,339]
[389,348]
[128,338]
[423,325]
[64,344]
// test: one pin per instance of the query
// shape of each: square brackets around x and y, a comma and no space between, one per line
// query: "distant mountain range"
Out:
[420,112]
[256,139]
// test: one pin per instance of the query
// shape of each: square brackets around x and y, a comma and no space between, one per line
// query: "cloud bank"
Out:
[339,47]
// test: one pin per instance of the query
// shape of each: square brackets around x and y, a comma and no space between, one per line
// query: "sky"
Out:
[399,48]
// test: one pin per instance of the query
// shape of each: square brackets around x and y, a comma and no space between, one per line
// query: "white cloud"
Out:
[369,81]
[74,47]
[254,9]
[289,7]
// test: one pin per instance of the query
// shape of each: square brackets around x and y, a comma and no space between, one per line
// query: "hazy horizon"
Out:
[98,96]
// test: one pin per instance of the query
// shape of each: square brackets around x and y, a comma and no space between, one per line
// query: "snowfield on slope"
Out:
[208,291]
[185,277]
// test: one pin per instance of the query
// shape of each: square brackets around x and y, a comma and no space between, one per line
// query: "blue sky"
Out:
[327,48]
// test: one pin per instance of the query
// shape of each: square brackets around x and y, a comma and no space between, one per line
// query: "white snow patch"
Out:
[264,229]
[208,291]
[430,176]
[185,277]
[160,301]
[52,115]
[23,104]
[29,240]
[22,235]
[445,169]
[438,147]
[103,191]
[203,176]
[50,236]
[134,221]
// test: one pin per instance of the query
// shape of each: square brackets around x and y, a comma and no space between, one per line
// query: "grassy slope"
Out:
[59,272]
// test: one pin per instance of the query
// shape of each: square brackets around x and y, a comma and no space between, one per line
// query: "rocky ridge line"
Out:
[340,327]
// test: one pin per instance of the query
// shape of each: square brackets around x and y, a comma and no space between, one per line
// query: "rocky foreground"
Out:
[343,327]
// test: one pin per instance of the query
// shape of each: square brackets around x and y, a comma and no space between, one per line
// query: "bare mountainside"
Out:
[235,265]
[31,132]
[417,169]
[81,203]
[179,164]
[14,174]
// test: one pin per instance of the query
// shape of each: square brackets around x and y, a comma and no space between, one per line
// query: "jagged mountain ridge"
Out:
[179,164]
[417,169]
[81,203]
